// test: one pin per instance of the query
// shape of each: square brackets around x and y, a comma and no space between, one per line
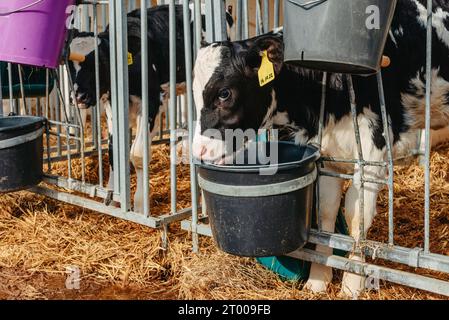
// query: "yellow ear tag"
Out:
[266,70]
[130,59]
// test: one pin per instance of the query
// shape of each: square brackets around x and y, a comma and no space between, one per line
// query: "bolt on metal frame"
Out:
[413,257]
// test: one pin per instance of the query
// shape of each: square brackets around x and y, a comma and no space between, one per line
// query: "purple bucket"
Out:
[33,31]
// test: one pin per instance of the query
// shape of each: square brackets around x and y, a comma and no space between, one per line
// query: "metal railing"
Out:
[413,257]
[71,142]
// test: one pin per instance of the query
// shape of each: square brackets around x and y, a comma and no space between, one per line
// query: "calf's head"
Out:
[82,72]
[227,92]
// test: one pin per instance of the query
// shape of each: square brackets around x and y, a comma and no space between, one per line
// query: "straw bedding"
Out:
[40,238]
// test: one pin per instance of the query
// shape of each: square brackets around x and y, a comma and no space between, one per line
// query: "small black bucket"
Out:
[337,35]
[21,152]
[259,215]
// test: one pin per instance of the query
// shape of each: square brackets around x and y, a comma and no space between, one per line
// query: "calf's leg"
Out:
[353,284]
[330,197]
[136,155]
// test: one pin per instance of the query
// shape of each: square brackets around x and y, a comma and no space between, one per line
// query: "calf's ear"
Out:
[134,34]
[275,50]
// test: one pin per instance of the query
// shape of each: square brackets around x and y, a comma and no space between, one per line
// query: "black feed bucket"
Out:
[258,215]
[21,152]
[345,36]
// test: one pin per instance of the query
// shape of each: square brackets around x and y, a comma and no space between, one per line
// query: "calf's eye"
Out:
[224,94]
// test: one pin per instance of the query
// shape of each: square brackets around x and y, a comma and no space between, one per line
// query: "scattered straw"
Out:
[40,238]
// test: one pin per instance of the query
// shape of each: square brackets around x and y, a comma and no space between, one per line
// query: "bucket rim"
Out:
[257,168]
[31,120]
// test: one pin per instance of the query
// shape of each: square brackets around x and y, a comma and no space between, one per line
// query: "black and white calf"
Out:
[228,96]
[83,75]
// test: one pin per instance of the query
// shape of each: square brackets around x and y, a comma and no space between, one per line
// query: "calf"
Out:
[83,74]
[228,96]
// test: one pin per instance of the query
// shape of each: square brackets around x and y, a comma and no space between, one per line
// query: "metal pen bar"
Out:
[198,26]
[276,13]
[172,107]
[79,131]
[131,5]
[38,107]
[210,32]
[52,104]
[320,142]
[365,269]
[123,103]
[96,130]
[220,28]
[22,89]
[29,106]
[54,122]
[57,115]
[85,19]
[145,106]
[266,16]
[259,26]
[67,129]
[361,235]
[114,94]
[47,92]
[97,206]
[353,161]
[239,25]
[427,127]
[47,135]
[389,148]
[11,93]
[415,258]
[193,176]
[245,20]
[103,17]
[76,185]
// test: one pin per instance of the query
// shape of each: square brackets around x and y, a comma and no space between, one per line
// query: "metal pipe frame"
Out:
[427,127]
[172,106]
[145,105]
[190,115]
[11,93]
[123,103]
[152,222]
[416,258]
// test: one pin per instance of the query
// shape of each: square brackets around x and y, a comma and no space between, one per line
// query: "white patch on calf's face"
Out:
[83,46]
[206,149]
[207,62]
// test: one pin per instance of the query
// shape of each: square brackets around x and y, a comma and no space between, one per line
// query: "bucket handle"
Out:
[21,8]
[308,5]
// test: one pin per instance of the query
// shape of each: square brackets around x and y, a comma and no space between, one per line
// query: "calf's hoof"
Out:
[352,285]
[316,286]
[320,276]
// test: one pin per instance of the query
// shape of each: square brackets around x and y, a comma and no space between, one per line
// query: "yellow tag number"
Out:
[130,59]
[266,70]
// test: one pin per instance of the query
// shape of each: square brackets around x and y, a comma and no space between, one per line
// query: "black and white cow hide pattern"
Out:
[158,75]
[228,96]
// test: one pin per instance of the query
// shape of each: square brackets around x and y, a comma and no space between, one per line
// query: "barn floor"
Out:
[40,238]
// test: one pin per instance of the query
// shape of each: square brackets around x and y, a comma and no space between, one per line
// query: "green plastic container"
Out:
[34,81]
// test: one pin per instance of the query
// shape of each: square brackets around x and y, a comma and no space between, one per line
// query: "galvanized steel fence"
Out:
[70,141]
